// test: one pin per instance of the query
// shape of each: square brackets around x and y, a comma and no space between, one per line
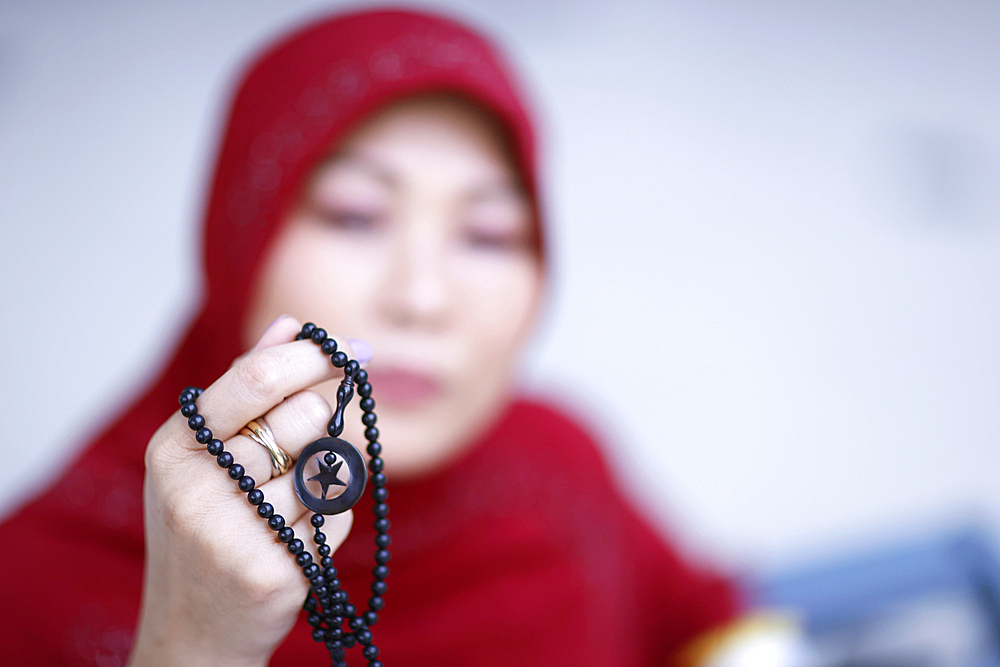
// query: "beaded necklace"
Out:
[327,603]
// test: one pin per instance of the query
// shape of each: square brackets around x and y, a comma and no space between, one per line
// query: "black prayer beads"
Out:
[327,603]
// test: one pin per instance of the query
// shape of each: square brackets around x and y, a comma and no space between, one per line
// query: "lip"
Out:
[404,387]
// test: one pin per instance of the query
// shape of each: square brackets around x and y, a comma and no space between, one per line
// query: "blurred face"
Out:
[416,237]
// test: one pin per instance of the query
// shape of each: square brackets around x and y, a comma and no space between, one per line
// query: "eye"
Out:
[352,220]
[497,220]
[481,238]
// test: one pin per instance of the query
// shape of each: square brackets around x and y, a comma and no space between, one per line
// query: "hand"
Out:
[220,589]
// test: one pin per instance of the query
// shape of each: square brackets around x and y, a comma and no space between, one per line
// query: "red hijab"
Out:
[521,553]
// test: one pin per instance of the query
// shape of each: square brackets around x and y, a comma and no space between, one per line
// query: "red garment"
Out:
[522,552]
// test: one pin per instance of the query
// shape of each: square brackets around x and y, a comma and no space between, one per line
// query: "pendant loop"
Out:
[327,475]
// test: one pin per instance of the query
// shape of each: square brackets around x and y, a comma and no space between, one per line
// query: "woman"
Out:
[377,176]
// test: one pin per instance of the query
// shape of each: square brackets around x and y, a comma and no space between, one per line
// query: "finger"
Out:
[295,422]
[257,383]
[282,330]
[363,351]
[336,527]
[280,493]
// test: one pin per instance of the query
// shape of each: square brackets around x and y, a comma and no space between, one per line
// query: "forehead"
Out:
[442,140]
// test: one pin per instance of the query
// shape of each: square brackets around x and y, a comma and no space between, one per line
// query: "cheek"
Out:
[501,296]
[311,275]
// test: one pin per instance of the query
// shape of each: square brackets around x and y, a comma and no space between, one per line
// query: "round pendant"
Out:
[327,475]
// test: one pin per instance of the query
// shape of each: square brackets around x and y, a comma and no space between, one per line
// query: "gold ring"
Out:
[258,431]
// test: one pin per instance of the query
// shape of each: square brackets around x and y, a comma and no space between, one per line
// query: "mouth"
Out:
[403,387]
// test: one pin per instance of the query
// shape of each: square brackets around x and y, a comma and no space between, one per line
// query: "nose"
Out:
[416,291]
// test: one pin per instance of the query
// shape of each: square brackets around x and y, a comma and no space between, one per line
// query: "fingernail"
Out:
[261,337]
[279,318]
[363,352]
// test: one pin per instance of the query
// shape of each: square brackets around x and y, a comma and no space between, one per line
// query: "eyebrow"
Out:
[366,164]
[501,187]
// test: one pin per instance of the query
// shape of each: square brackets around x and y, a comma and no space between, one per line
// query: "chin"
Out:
[414,448]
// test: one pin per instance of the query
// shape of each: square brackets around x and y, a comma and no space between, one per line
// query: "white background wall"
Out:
[776,230]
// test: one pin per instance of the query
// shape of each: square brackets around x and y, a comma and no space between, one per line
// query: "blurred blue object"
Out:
[932,603]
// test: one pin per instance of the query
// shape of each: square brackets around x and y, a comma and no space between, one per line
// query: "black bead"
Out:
[296,546]
[319,634]
[374,449]
[318,581]
[376,464]
[225,459]
[357,624]
[378,479]
[317,520]
[382,541]
[189,409]
[348,641]
[330,459]
[339,359]
[308,328]
[382,525]
[374,663]
[349,609]
[370,652]
[380,495]
[352,368]
[303,559]
[333,583]
[255,497]
[318,335]
[378,588]
[309,604]
[365,389]
[325,560]
[196,422]
[315,620]
[276,522]
[380,510]
[246,483]
[236,471]
[336,633]
[367,404]
[330,573]
[203,436]
[382,556]
[186,397]
[311,571]
[371,434]
[319,537]
[369,419]
[371,618]
[322,592]
[361,376]
[215,447]
[364,637]
[329,346]
[375,603]
[286,534]
[265,510]
[380,572]
[324,550]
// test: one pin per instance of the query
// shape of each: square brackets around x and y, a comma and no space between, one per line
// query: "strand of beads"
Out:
[327,603]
